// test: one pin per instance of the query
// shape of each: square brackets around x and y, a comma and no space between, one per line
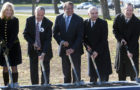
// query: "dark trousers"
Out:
[103,78]
[66,66]
[34,68]
[93,74]
[122,76]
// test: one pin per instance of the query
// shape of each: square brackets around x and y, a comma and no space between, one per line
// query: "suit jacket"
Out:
[96,38]
[74,34]
[130,32]
[45,36]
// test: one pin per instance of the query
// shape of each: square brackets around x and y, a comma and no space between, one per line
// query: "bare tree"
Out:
[56,10]
[105,10]
[117,6]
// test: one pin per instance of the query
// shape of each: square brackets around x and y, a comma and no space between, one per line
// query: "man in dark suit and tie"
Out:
[38,34]
[95,40]
[68,29]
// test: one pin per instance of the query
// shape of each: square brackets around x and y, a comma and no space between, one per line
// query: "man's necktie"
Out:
[92,25]
[67,22]
[126,20]
[37,38]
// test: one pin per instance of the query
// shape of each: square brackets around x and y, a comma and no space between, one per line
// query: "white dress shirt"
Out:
[92,23]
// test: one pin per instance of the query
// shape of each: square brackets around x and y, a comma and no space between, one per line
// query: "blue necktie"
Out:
[67,22]
[92,24]
[37,37]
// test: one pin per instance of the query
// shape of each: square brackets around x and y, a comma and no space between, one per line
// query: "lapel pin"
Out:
[42,30]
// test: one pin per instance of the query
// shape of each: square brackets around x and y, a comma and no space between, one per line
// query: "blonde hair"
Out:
[4,8]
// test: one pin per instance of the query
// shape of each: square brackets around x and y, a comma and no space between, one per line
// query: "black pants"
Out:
[122,76]
[34,68]
[66,66]
[103,78]
[93,74]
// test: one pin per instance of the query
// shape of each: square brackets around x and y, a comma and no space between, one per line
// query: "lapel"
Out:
[42,24]
[63,23]
[71,24]
[131,19]
[95,24]
[89,24]
[34,26]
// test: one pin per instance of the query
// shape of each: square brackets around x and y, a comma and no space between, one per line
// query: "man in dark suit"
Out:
[38,34]
[68,29]
[95,40]
[126,30]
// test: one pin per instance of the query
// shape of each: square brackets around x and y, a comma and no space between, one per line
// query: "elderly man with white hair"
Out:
[38,34]
[96,43]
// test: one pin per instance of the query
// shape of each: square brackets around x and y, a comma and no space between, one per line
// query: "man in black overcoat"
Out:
[126,30]
[95,40]
[68,29]
[38,34]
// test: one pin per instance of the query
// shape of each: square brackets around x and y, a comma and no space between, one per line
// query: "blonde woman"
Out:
[9,28]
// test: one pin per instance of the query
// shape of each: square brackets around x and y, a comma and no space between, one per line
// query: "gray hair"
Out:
[39,8]
[92,8]
[129,4]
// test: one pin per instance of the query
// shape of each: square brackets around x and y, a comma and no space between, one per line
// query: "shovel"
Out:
[11,85]
[96,69]
[44,73]
[5,54]
[43,69]
[133,65]
[78,82]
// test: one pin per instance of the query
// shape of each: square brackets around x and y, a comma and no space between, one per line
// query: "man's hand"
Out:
[89,48]
[66,44]
[69,51]
[123,42]
[94,54]
[130,55]
[36,47]
[41,57]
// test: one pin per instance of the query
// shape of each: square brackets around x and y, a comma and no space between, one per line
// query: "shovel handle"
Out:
[132,62]
[9,70]
[73,67]
[43,71]
[96,69]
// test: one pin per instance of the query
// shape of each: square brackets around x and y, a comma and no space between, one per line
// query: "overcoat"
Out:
[130,32]
[96,38]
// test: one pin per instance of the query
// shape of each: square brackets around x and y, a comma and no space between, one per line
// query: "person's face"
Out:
[128,11]
[93,14]
[39,15]
[68,10]
[8,12]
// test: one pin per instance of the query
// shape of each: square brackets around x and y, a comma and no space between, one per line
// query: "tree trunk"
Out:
[56,10]
[33,6]
[105,10]
[117,6]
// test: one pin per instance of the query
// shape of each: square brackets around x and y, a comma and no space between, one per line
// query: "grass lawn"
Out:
[29,5]
[56,75]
